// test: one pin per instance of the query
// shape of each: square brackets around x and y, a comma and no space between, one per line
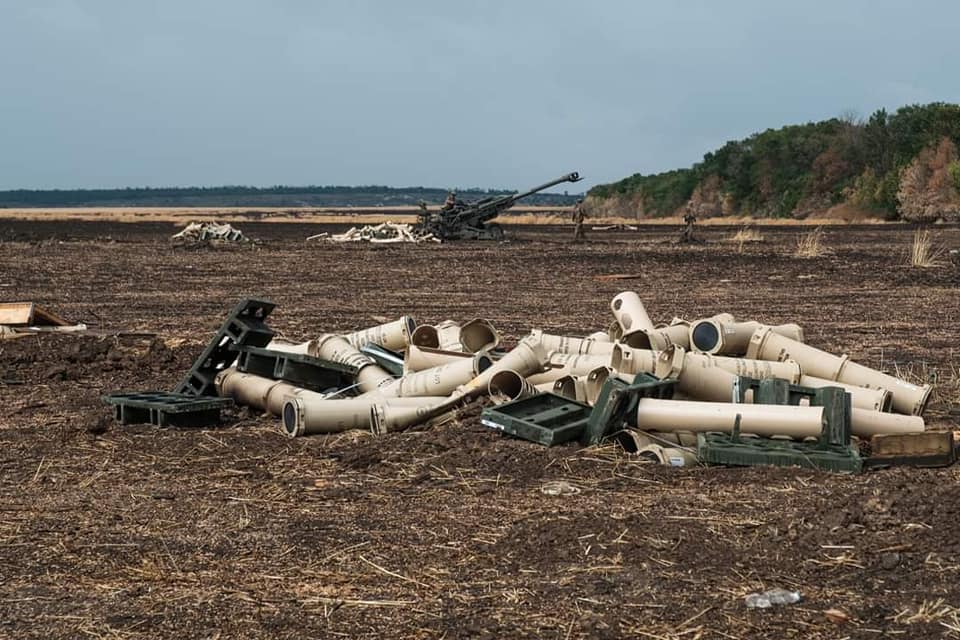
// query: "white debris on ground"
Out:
[207,231]
[615,227]
[384,233]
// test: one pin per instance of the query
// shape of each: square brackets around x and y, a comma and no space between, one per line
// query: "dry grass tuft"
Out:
[747,234]
[744,235]
[924,253]
[811,245]
[929,611]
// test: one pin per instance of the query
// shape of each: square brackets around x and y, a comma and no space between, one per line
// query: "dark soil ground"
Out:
[444,532]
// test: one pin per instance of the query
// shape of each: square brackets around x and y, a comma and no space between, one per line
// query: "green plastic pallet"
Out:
[545,418]
[724,449]
[243,327]
[832,451]
[617,404]
[166,409]
[299,369]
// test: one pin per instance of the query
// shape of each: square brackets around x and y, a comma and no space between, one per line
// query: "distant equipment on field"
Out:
[458,220]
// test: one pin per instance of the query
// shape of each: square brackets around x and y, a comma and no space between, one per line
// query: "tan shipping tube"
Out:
[566,364]
[630,313]
[437,381]
[336,348]
[420,358]
[526,358]
[908,399]
[508,385]
[479,335]
[392,335]
[571,345]
[677,333]
[253,391]
[759,419]
[715,337]
[627,360]
[308,415]
[860,397]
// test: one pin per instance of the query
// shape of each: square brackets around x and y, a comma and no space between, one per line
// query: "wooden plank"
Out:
[16,314]
[24,314]
[46,318]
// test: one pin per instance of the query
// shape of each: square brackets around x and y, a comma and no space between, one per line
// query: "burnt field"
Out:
[444,531]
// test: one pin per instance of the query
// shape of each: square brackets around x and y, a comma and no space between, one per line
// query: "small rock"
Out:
[57,372]
[100,426]
[889,561]
[837,616]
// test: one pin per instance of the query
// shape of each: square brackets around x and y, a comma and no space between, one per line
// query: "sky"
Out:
[117,93]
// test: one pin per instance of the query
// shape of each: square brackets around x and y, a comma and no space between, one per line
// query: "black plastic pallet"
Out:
[244,327]
[299,369]
[166,409]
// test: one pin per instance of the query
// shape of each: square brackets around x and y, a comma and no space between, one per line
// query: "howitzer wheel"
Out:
[494,232]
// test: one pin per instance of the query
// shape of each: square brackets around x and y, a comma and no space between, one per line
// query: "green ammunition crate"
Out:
[545,418]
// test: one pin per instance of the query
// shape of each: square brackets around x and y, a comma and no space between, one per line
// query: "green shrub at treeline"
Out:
[905,163]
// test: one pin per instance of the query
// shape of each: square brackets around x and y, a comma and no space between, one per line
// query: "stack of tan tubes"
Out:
[448,363]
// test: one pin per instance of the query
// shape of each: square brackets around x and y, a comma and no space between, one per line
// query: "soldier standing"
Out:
[690,220]
[578,217]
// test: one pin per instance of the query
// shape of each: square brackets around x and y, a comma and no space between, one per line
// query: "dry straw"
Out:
[924,253]
[811,244]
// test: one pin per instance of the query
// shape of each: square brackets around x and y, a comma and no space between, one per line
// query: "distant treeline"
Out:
[904,164]
[238,196]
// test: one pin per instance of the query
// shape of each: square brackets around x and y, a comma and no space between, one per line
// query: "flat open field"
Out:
[444,532]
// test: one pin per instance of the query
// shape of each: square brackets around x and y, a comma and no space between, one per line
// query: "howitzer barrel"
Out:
[570,177]
[488,209]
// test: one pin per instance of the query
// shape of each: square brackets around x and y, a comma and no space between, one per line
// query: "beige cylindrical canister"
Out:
[425,335]
[437,381]
[660,338]
[302,417]
[392,335]
[397,414]
[596,377]
[860,397]
[526,358]
[448,335]
[571,345]
[668,456]
[479,335]
[614,331]
[567,364]
[908,399]
[714,336]
[336,348]
[629,311]
[695,378]
[600,336]
[257,392]
[309,414]
[508,385]
[760,369]
[572,387]
[627,360]
[420,358]
[759,419]
[866,423]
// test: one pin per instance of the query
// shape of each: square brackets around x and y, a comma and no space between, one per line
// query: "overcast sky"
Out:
[114,93]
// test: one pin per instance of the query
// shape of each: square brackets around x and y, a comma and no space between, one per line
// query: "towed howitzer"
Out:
[469,221]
